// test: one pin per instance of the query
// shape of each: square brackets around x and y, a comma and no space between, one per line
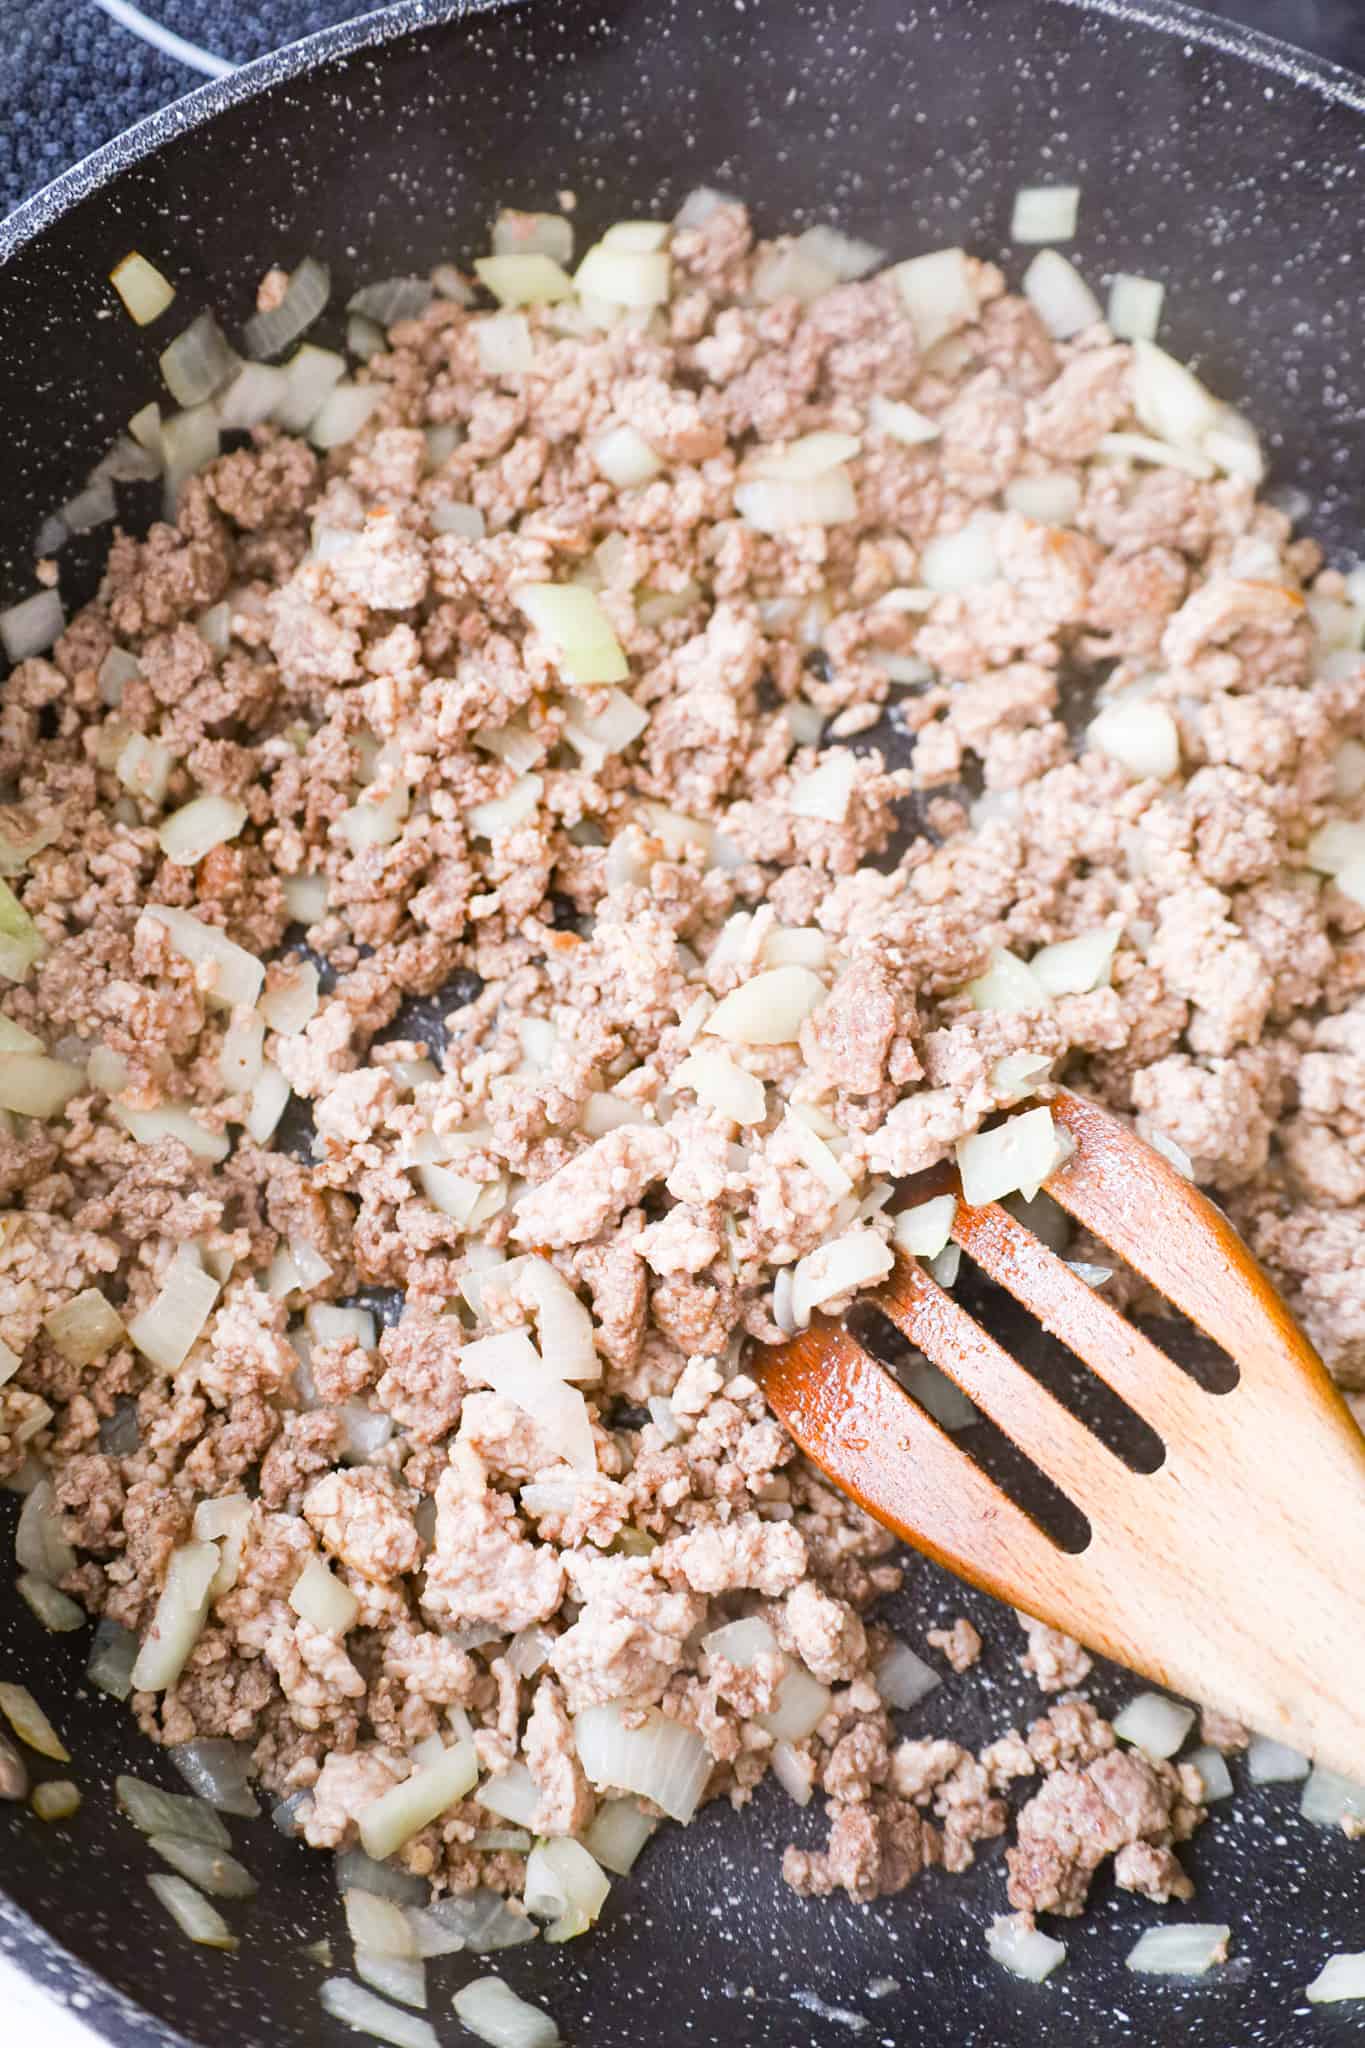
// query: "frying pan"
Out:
[1212,157]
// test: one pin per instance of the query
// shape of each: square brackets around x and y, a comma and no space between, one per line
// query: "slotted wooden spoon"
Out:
[1233,1573]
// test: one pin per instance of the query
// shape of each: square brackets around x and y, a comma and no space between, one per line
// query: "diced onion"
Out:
[717,1082]
[40,1543]
[144,767]
[1045,213]
[56,1800]
[365,339]
[189,441]
[1053,498]
[392,299]
[145,429]
[492,2011]
[563,1324]
[513,1795]
[532,279]
[570,619]
[213,1870]
[1143,448]
[31,626]
[354,1870]
[657,1759]
[1186,1951]
[827,791]
[150,1126]
[343,413]
[1059,295]
[924,1230]
[191,1911]
[389,1821]
[31,1084]
[1214,1776]
[218,1770]
[936,291]
[1274,1763]
[451,517]
[503,341]
[171,1324]
[814,1153]
[180,1615]
[401,1977]
[512,1366]
[323,1601]
[618,1833]
[795,946]
[1016,1156]
[903,1679]
[1330,1800]
[310,374]
[290,1002]
[478,1921]
[624,457]
[84,1328]
[170,1813]
[1154,1723]
[624,277]
[92,507]
[1336,846]
[1135,307]
[328,1324]
[305,296]
[596,735]
[844,1264]
[198,363]
[794,1772]
[52,1608]
[1072,967]
[254,395]
[1008,984]
[1024,1951]
[811,455]
[144,291]
[529,1650]
[1169,400]
[31,1724]
[741,1642]
[961,560]
[769,1009]
[771,505]
[379,1924]
[533,234]
[565,1884]
[198,826]
[360,2009]
[1340,1977]
[225,973]
[799,1707]
[900,422]
[112,1657]
[1142,737]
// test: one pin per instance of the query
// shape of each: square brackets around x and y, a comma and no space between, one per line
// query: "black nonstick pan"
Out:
[1210,157]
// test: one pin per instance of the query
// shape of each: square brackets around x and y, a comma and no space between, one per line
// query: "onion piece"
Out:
[624,457]
[355,1871]
[213,1870]
[323,1601]
[479,1921]
[31,1724]
[169,1327]
[1183,1951]
[1143,448]
[400,1977]
[1073,967]
[1045,213]
[903,1679]
[658,1759]
[150,1126]
[1059,295]
[225,973]
[618,1833]
[772,505]
[112,1657]
[513,1795]
[900,422]
[144,767]
[1340,1977]
[594,736]
[924,1230]
[1022,1950]
[512,1366]
[53,1609]
[189,441]
[343,412]
[504,813]
[532,234]
[495,2014]
[56,1800]
[563,1324]
[452,517]
[144,291]
[566,1884]
[198,363]
[145,428]
[1135,307]
[198,826]
[216,1769]
[769,1009]
[92,507]
[1052,499]
[40,1543]
[570,619]
[503,342]
[827,791]
[800,1705]
[305,296]
[254,395]
[191,1911]
[387,1822]
[310,374]
[1330,1800]
[156,1812]
[360,2009]
[31,626]
[1015,1157]
[181,1612]
[1142,737]
[31,1084]
[624,277]
[717,1082]
[378,1924]
[961,560]
[1169,400]
[532,279]
[857,1259]
[1214,1776]
[1275,1763]
[392,299]
[936,291]
[1154,1724]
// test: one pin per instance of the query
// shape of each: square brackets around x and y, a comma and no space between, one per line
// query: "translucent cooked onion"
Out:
[618,1833]
[794,1771]
[1329,1799]
[144,768]
[769,1009]
[213,1870]
[1144,448]
[741,1642]
[513,1795]
[52,1608]
[1059,295]
[305,296]
[857,1259]
[623,276]
[323,1601]
[903,1679]
[378,1924]
[1339,1978]
[269,1100]
[181,1612]
[565,1884]
[356,2007]
[1022,1950]
[570,619]
[112,1657]
[198,826]
[479,1922]
[936,291]
[1169,400]
[392,299]
[814,1153]
[1072,967]
[961,560]
[32,626]
[40,1543]
[155,1812]
[563,1324]
[772,505]
[503,342]
[150,1126]
[56,1800]
[1214,1776]
[596,735]
[450,516]
[1141,736]
[532,279]
[795,946]
[343,412]
[31,1084]
[496,2015]
[290,999]
[218,1770]
[717,1082]
[189,441]
[225,973]
[145,293]
[512,1366]
[1045,213]
[924,1230]
[310,374]
[31,1724]
[171,1324]
[799,1707]
[657,1759]
[900,422]
[400,1977]
[532,234]
[254,396]
[92,507]
[198,363]
[1187,1951]
[1016,1157]
[20,945]
[355,1871]
[505,813]
[827,791]
[1135,307]
[191,1911]
[1154,1723]
[1274,1763]
[624,457]
[1053,499]
[387,1822]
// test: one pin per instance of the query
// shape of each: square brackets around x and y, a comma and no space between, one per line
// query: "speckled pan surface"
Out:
[1224,163]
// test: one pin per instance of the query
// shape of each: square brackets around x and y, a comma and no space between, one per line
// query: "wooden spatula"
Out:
[1235,1573]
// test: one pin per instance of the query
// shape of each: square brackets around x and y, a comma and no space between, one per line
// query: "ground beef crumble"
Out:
[573,879]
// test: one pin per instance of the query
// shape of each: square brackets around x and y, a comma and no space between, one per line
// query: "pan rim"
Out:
[1333,82]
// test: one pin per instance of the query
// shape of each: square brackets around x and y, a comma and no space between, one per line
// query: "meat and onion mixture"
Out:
[463,990]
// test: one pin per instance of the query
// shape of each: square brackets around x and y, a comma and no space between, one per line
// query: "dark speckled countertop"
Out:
[75,72]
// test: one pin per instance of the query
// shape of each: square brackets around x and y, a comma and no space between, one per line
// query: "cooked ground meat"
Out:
[541,861]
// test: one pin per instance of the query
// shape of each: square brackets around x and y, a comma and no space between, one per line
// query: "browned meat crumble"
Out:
[573,1148]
